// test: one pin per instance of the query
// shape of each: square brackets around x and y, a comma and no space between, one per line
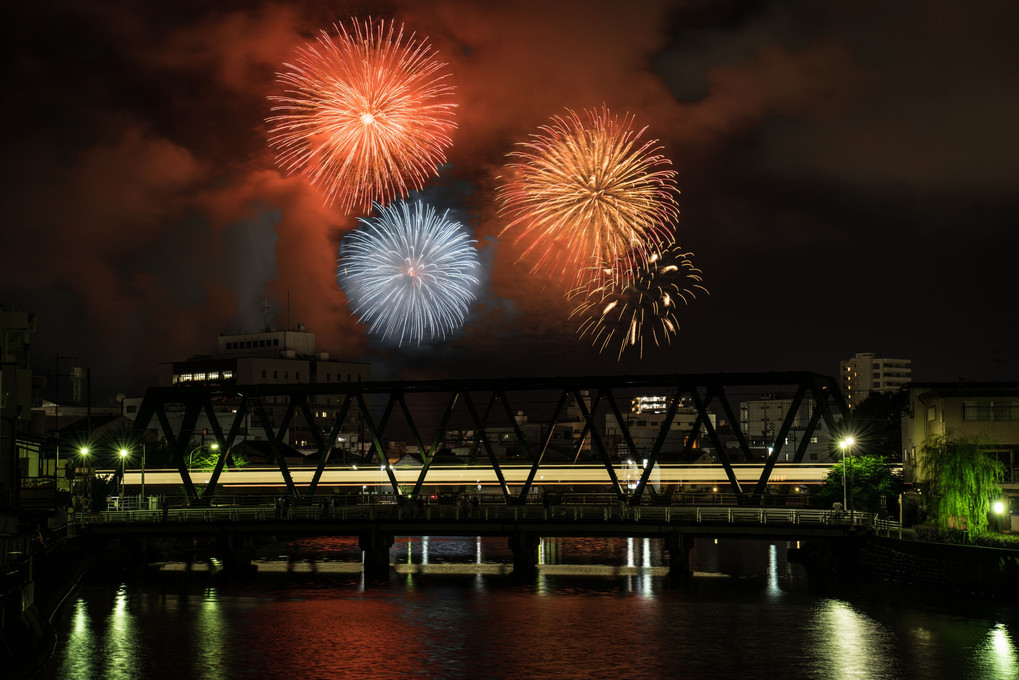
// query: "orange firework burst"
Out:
[643,308]
[586,194]
[366,115]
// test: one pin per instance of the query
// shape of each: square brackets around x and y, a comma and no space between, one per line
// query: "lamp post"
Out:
[86,502]
[191,459]
[123,471]
[846,445]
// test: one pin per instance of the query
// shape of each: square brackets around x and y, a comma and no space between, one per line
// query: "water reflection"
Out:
[773,589]
[598,609]
[120,651]
[79,660]
[847,644]
[210,637]
[996,657]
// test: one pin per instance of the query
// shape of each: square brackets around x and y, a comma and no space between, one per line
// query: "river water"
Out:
[596,609]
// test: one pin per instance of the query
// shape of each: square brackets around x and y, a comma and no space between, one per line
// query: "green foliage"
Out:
[205,458]
[961,481]
[868,478]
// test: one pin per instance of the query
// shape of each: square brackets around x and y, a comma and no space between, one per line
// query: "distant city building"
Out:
[16,330]
[761,419]
[866,373]
[946,409]
[644,423]
[270,357]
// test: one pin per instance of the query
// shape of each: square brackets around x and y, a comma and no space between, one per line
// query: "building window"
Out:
[990,411]
[275,375]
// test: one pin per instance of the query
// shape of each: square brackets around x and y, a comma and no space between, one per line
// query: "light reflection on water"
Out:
[746,613]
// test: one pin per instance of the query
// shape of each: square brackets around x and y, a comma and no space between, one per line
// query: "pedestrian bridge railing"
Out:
[554,514]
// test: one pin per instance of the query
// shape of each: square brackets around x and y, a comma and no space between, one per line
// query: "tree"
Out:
[961,481]
[869,478]
[876,423]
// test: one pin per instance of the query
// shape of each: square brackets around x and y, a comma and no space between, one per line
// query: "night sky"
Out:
[848,173]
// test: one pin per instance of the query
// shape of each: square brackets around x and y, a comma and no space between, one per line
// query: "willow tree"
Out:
[962,480]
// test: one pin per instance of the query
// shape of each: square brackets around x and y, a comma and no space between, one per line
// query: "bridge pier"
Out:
[678,546]
[375,546]
[525,553]
[237,553]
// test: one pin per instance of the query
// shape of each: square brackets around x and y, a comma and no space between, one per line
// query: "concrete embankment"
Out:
[988,573]
[31,594]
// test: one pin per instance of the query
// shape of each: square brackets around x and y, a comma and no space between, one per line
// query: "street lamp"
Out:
[86,502]
[123,471]
[846,445]
[191,458]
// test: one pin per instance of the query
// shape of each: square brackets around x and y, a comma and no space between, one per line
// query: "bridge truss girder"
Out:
[701,390]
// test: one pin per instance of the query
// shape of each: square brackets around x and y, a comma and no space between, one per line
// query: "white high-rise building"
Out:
[865,373]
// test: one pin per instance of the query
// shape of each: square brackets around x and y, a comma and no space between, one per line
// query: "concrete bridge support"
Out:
[678,546]
[375,546]
[525,553]
[236,553]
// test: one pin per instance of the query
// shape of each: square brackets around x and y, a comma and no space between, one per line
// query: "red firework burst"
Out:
[366,115]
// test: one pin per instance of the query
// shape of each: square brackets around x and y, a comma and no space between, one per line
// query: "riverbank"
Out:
[966,570]
[32,593]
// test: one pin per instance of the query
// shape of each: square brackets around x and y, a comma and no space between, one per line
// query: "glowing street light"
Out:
[123,471]
[846,445]
[191,459]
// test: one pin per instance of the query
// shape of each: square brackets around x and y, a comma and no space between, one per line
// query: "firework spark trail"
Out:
[366,115]
[643,308]
[409,273]
[588,194]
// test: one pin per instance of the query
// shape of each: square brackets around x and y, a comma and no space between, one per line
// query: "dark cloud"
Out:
[847,171]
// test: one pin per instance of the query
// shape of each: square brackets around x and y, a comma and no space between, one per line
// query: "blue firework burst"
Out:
[409,272]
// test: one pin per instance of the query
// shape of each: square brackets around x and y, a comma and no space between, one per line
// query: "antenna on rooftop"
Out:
[265,315]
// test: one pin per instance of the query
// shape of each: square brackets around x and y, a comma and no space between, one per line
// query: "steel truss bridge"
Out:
[482,405]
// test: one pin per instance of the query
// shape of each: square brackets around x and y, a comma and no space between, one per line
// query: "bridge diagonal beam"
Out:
[783,434]
[226,445]
[171,441]
[801,447]
[376,435]
[586,430]
[275,441]
[334,432]
[825,390]
[598,444]
[701,404]
[517,432]
[309,420]
[192,409]
[623,428]
[546,440]
[656,450]
[476,444]
[741,439]
[480,435]
[427,456]
[412,425]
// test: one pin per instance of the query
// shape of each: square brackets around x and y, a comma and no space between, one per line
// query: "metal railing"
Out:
[481,512]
